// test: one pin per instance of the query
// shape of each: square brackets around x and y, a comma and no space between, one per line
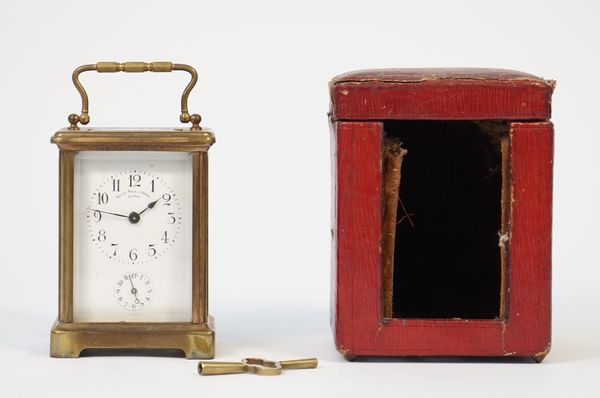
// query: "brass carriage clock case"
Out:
[70,336]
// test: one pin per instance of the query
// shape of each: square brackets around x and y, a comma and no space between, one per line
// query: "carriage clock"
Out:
[133,232]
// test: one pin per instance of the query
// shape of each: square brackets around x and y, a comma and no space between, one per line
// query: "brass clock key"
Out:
[259,366]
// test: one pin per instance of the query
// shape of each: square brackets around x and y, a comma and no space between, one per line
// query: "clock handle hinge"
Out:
[134,67]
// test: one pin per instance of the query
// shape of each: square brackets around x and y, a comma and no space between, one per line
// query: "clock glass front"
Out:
[132,237]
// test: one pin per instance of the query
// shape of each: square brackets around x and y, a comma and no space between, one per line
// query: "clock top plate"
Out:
[180,139]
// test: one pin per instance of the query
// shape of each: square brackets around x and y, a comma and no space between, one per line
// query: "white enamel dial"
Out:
[133,291]
[132,225]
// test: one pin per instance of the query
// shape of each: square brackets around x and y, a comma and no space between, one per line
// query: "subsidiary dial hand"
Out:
[134,291]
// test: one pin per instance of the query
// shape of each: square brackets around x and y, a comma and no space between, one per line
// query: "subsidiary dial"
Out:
[134,217]
[133,291]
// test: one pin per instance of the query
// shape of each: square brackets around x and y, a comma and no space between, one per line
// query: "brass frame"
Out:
[196,338]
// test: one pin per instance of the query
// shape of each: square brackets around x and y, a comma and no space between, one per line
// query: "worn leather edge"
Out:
[430,74]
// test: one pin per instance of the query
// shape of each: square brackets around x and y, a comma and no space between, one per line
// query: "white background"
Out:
[264,68]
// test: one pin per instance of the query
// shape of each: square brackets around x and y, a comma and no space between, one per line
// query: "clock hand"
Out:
[134,217]
[150,206]
[108,212]
[134,291]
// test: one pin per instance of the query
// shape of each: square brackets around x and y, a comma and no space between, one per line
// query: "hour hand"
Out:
[134,217]
[108,212]
[150,206]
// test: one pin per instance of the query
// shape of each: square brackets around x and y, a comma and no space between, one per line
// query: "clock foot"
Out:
[69,339]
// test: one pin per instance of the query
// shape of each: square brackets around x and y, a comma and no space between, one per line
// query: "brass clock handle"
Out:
[134,67]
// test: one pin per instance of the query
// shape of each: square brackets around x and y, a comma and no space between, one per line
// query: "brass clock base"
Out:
[69,339]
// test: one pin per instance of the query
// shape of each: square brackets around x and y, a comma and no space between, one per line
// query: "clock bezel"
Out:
[195,338]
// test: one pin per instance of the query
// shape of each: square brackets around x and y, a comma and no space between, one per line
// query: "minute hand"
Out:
[108,212]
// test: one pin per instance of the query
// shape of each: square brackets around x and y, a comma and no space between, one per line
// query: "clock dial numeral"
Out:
[133,255]
[172,218]
[151,250]
[116,185]
[102,198]
[134,180]
[166,199]
[97,215]
[114,246]
[101,235]
[165,237]
[152,186]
